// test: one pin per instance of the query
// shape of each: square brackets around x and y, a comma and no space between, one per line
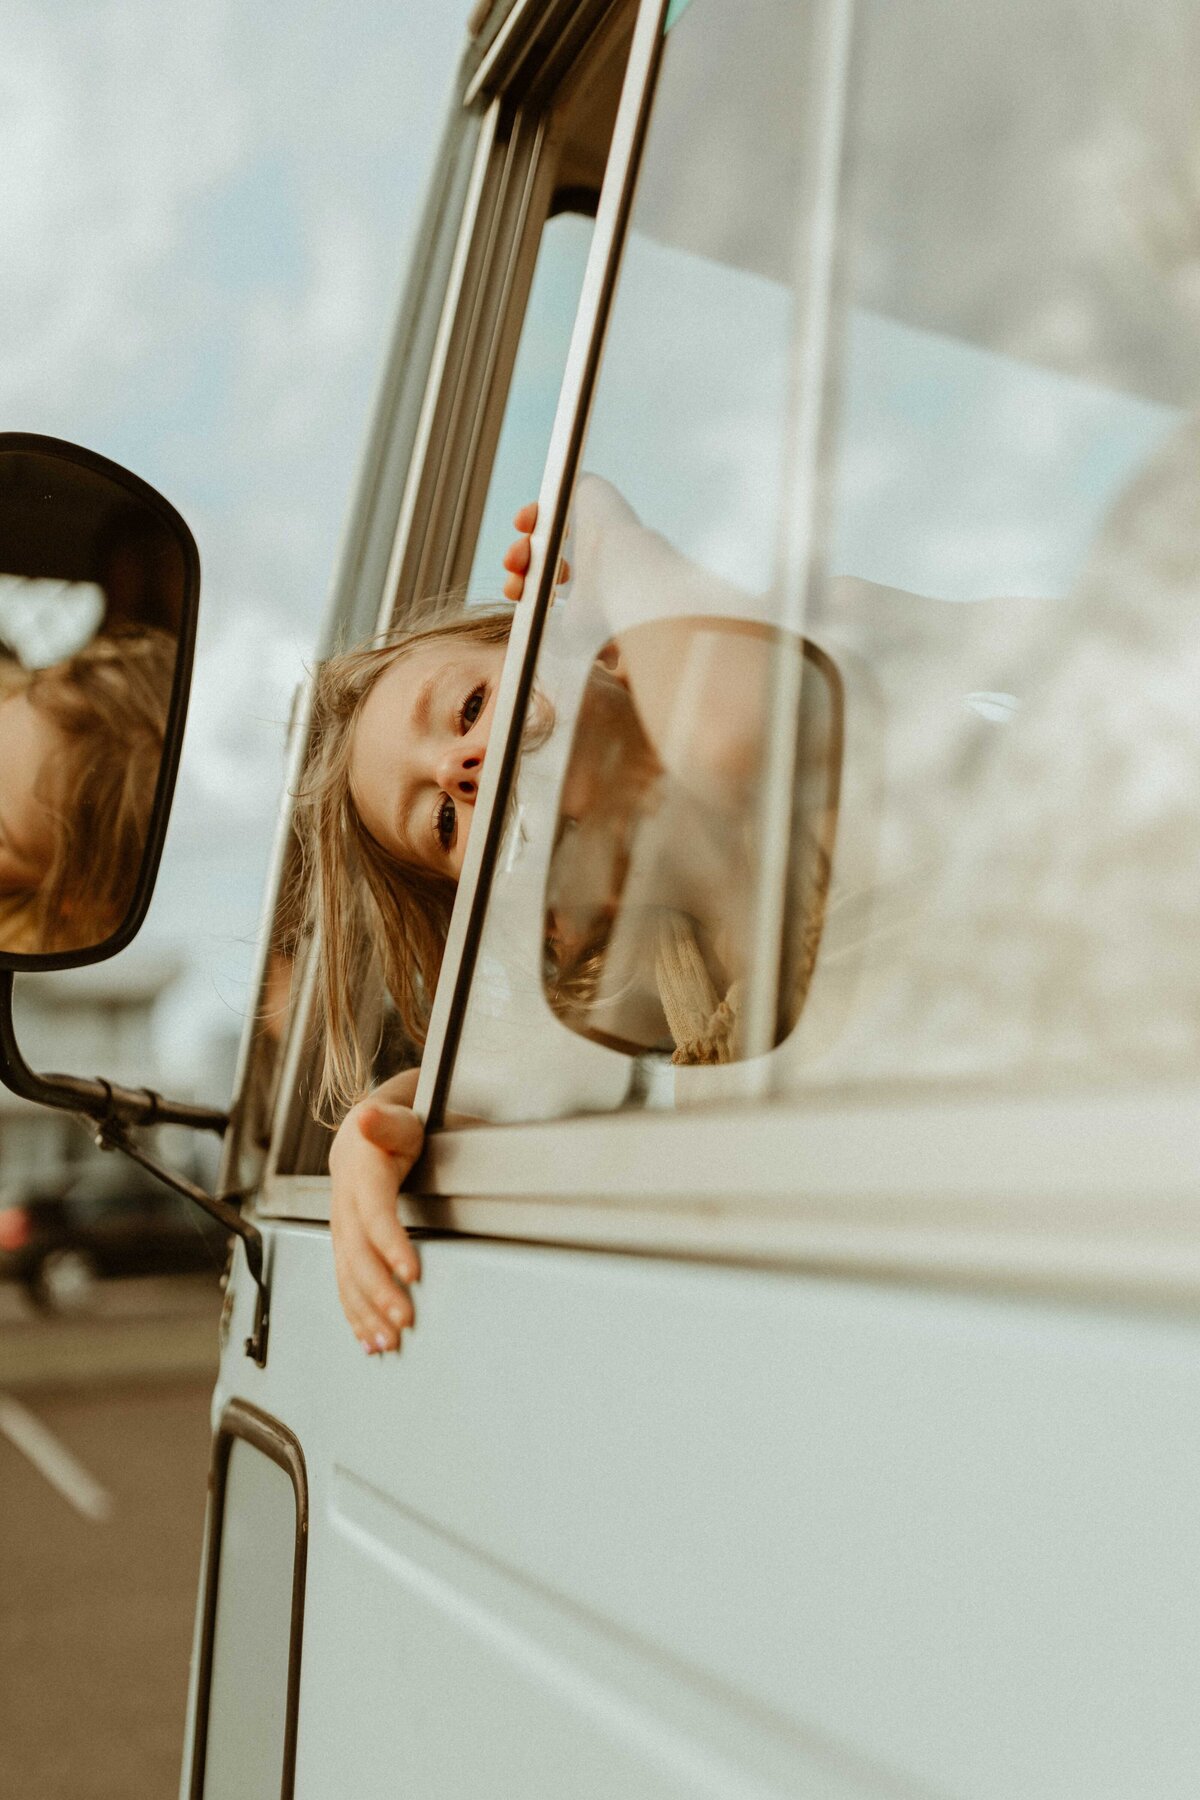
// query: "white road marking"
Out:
[54,1461]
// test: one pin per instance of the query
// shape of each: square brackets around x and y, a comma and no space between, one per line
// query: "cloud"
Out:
[242,688]
[295,349]
[112,119]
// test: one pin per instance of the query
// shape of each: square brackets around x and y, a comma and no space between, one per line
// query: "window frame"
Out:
[242,1421]
[1087,1194]
[831,1182]
[814,280]
[480,309]
[516,684]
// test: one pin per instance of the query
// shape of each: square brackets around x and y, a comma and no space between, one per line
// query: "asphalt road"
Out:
[147,1329]
[102,1492]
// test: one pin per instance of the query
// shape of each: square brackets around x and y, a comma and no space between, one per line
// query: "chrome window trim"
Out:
[437,545]
[484,80]
[451,307]
[1093,1193]
[544,34]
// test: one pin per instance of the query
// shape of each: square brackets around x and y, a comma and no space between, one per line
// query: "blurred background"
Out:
[205,213]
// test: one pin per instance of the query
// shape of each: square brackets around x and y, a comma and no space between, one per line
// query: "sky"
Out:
[206,210]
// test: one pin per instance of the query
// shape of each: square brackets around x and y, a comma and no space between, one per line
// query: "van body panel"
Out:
[759,1531]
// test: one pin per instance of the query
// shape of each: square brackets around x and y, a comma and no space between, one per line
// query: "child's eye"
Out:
[444,821]
[472,706]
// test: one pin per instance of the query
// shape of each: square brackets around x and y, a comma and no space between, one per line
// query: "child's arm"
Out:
[376,1145]
[687,645]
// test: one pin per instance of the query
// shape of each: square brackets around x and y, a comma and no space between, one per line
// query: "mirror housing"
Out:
[99,591]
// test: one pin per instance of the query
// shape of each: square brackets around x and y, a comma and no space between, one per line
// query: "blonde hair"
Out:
[360,897]
[109,704]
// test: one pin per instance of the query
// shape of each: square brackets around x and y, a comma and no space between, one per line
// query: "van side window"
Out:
[978,690]
[1010,570]
[633,915]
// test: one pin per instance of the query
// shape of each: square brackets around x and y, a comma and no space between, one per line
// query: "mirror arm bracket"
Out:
[112,1111]
[112,1133]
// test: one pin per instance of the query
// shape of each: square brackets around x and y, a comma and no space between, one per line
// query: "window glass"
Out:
[995,666]
[252,1635]
[533,392]
[630,912]
[1013,550]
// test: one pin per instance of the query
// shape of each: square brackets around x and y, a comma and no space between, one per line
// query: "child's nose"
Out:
[459,769]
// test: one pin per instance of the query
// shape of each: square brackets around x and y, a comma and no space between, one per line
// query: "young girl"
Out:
[400,737]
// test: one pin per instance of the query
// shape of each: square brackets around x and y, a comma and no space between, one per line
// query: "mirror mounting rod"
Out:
[111,1134]
[113,1112]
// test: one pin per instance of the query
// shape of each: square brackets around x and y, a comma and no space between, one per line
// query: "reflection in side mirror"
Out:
[655,888]
[99,581]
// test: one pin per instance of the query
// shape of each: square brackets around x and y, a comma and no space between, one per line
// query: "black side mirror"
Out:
[99,589]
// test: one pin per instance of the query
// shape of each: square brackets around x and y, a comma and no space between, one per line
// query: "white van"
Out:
[821,1415]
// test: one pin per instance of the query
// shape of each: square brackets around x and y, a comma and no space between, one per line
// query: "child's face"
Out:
[417,751]
[30,748]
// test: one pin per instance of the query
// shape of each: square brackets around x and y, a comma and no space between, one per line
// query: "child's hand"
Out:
[376,1145]
[516,557]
